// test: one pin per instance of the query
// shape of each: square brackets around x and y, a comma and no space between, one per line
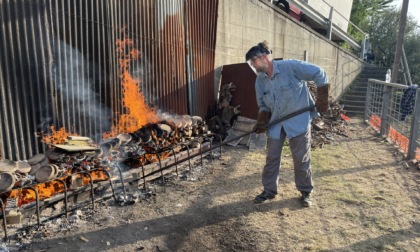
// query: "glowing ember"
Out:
[152,158]
[138,112]
[45,190]
[51,188]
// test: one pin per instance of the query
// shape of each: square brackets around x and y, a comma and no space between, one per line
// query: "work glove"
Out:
[321,103]
[262,121]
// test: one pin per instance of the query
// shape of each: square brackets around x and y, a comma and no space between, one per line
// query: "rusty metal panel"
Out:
[156,27]
[59,66]
[80,79]
[244,79]
[244,95]
[201,23]
[19,90]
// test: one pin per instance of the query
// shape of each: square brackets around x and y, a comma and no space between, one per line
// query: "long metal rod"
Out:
[65,195]
[281,119]
[52,217]
[6,238]
[176,167]
[211,143]
[233,139]
[144,179]
[91,186]
[110,182]
[188,155]
[37,204]
[201,152]
[220,140]
[122,180]
[415,130]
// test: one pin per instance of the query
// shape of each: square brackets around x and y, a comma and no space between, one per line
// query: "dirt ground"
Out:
[366,199]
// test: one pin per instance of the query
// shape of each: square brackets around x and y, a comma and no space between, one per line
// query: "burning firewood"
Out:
[67,161]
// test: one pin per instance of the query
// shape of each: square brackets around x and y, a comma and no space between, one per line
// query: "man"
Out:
[281,90]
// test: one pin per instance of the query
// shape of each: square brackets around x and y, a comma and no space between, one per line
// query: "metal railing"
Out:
[386,111]
[332,24]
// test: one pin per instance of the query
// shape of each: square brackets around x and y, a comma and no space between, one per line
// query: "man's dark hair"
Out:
[261,48]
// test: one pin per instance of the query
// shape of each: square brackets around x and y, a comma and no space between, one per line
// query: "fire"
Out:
[45,190]
[152,158]
[56,136]
[51,188]
[138,112]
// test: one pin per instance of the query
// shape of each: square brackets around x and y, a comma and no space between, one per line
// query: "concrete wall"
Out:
[342,7]
[243,23]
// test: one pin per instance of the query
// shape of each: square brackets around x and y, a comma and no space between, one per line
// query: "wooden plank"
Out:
[75,147]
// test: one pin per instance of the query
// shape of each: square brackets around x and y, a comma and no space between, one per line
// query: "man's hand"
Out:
[321,103]
[262,121]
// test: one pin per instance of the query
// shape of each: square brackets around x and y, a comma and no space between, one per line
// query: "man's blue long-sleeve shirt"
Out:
[286,92]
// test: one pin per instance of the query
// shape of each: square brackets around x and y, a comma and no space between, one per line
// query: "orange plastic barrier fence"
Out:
[393,135]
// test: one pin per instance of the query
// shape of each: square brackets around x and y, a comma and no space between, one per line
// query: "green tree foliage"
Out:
[381,21]
[362,10]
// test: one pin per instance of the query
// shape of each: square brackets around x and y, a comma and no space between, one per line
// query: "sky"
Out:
[413,7]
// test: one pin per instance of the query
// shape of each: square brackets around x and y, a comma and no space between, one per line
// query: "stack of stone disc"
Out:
[23,167]
[37,162]
[55,154]
[7,177]
[46,172]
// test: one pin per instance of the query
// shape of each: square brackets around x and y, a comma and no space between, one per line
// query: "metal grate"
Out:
[384,112]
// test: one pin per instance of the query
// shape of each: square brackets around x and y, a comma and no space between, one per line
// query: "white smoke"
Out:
[75,83]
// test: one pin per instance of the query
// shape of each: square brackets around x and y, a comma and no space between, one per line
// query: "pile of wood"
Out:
[226,113]
[330,124]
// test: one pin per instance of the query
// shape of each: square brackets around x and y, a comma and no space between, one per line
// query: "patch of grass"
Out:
[348,199]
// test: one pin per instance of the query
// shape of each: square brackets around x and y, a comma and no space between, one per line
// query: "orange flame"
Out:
[53,187]
[138,112]
[56,136]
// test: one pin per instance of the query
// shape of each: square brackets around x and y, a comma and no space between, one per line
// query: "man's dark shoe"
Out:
[306,199]
[263,197]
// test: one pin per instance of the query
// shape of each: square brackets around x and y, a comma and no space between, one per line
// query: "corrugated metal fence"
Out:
[59,66]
